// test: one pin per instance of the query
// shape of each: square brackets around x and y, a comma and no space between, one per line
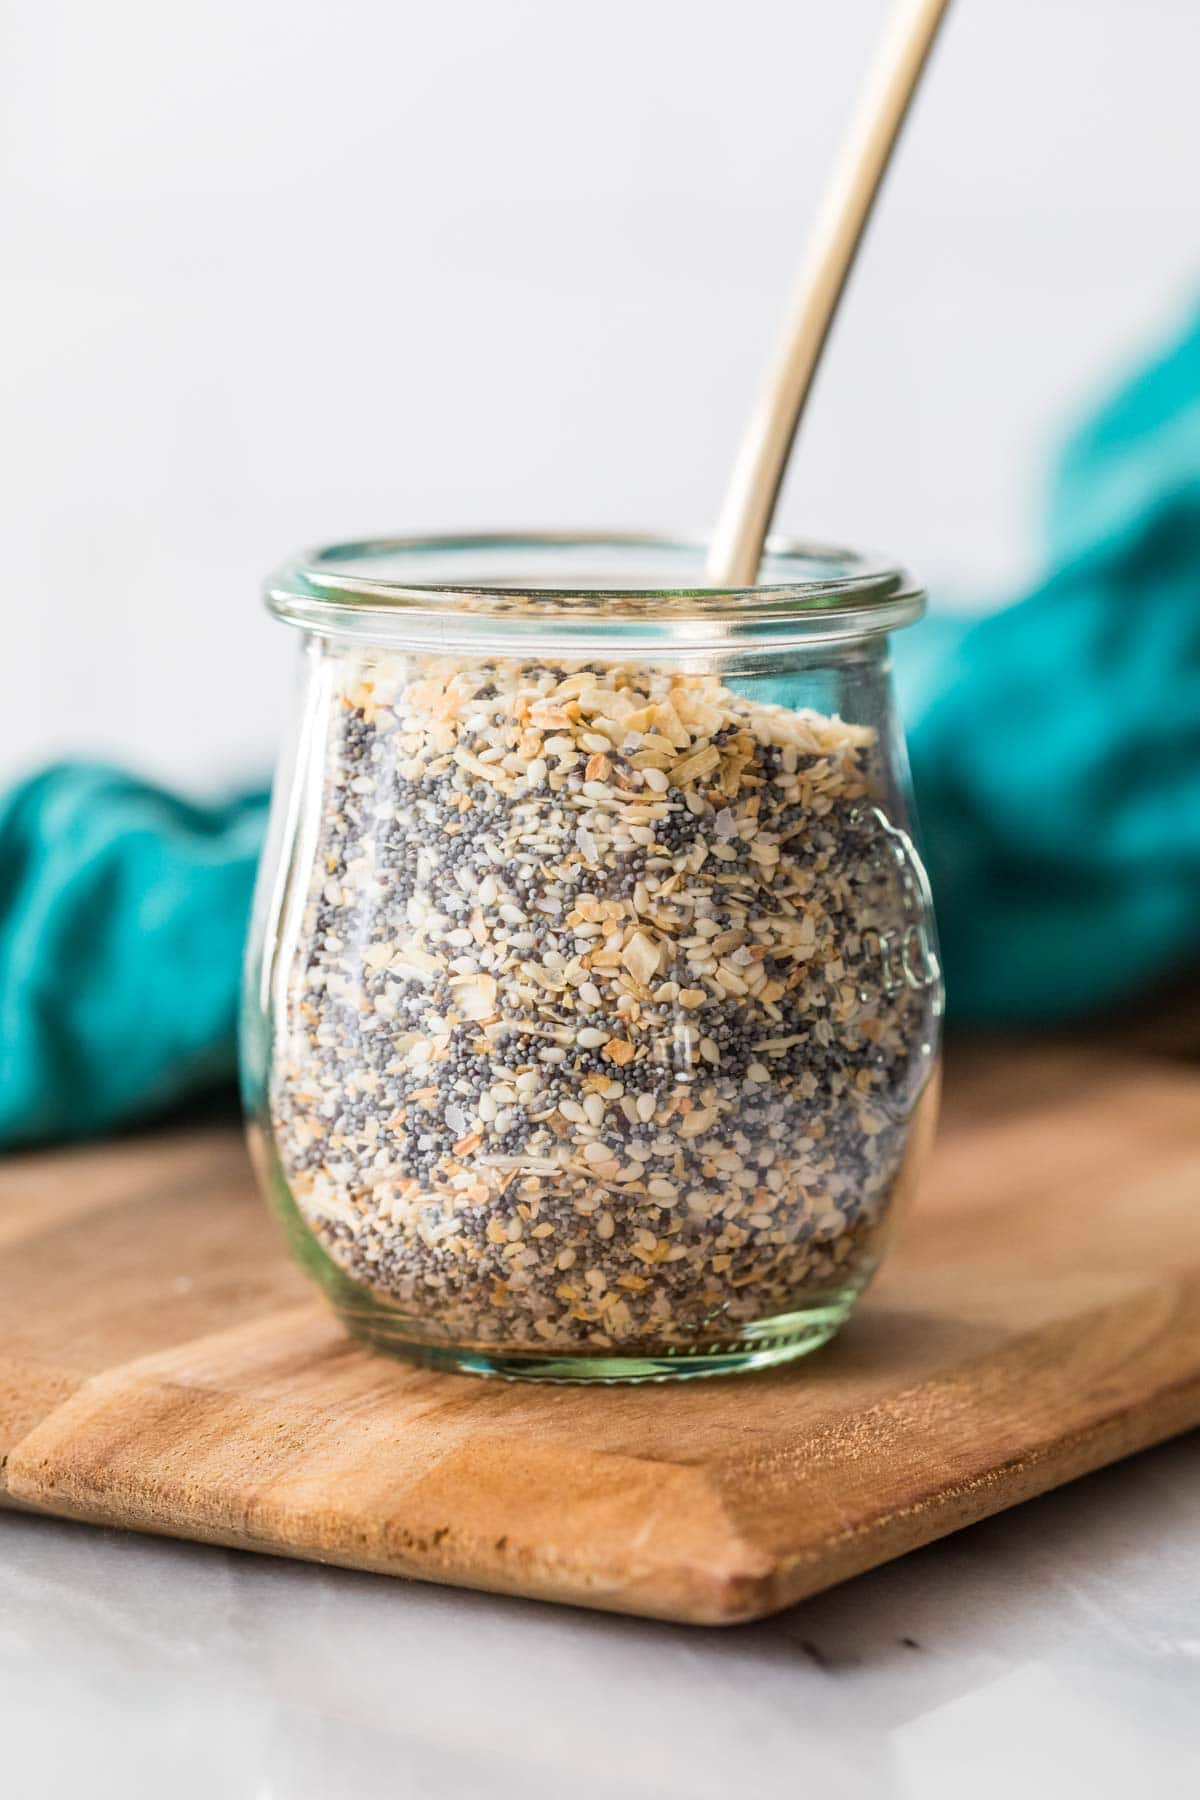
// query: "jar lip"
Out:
[586,588]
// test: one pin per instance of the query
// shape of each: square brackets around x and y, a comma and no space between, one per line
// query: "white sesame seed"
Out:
[517,940]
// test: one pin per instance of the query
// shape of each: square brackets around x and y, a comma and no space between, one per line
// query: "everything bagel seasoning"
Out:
[594,1031]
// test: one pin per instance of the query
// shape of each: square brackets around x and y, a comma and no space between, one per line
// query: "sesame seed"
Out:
[553,900]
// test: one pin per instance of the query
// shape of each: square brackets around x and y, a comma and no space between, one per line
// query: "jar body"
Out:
[592,1008]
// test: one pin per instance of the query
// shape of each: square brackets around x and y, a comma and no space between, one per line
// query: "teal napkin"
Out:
[1056,744]
[122,915]
[1056,757]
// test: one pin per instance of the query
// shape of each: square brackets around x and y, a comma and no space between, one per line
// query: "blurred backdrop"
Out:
[278,271]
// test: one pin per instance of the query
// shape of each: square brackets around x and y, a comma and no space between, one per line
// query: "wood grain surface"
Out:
[164,1367]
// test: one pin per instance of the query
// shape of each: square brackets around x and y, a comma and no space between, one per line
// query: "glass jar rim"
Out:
[588,592]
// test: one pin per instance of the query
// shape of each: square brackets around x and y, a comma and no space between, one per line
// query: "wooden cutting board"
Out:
[163,1366]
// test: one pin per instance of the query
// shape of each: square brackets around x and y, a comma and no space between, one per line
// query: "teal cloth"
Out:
[1056,757]
[123,912]
[1056,744]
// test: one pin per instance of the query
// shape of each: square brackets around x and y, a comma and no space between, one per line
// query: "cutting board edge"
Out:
[708,1596]
[1095,1447]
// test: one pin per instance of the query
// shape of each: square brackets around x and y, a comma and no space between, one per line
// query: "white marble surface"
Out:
[1054,1651]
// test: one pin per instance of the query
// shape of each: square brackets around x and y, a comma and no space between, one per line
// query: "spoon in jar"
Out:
[749,502]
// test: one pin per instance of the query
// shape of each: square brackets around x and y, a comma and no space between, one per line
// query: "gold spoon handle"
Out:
[757,475]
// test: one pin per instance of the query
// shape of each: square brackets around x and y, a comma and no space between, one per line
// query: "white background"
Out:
[281,270]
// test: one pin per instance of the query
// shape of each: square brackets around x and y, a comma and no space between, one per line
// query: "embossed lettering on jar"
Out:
[593,1000]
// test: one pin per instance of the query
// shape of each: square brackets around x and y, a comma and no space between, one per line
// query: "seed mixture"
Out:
[592,1035]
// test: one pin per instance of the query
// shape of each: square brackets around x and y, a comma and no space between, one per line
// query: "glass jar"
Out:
[593,1004]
